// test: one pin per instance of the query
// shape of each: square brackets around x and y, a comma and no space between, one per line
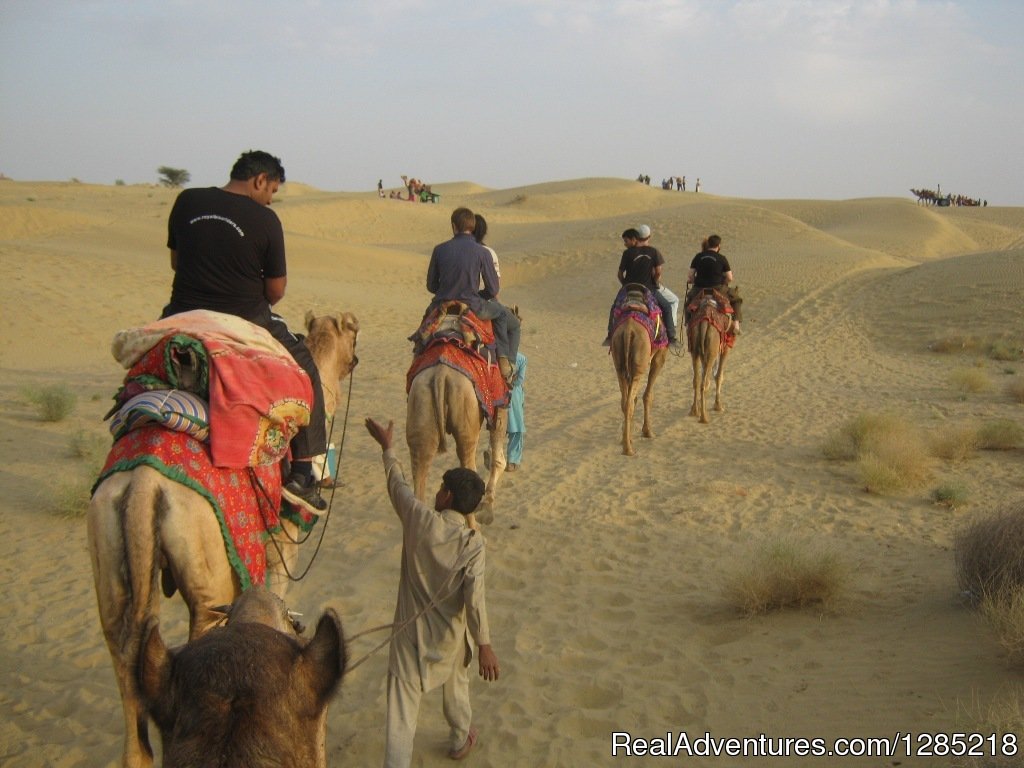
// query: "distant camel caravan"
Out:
[635,358]
[250,693]
[707,338]
[142,524]
[443,399]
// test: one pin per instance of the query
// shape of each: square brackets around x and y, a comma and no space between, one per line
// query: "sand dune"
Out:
[605,572]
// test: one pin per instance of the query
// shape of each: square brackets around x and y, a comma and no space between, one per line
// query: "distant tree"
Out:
[173,177]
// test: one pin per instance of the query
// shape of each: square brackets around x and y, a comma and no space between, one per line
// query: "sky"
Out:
[822,99]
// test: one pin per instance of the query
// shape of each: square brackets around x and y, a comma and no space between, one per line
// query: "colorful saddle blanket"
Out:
[258,395]
[711,306]
[639,303]
[491,390]
[453,321]
[247,502]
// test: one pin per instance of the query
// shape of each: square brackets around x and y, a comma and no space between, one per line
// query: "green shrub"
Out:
[952,495]
[1015,389]
[53,403]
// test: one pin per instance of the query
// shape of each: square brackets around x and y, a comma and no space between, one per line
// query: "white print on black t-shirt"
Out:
[218,218]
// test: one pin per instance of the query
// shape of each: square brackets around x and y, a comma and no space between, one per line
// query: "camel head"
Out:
[332,340]
[245,694]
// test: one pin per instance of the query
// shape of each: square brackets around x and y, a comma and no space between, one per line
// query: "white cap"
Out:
[644,231]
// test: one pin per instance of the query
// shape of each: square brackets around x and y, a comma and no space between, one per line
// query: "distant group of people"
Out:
[643,264]
[935,197]
[679,182]
[414,190]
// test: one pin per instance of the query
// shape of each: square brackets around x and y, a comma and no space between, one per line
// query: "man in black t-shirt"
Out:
[227,253]
[641,263]
[710,269]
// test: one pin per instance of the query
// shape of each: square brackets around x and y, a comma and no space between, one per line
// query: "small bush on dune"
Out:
[1004,613]
[1000,435]
[88,445]
[1005,350]
[970,380]
[890,453]
[989,554]
[785,573]
[1015,389]
[53,403]
[71,499]
[954,442]
[1004,718]
[954,342]
[952,495]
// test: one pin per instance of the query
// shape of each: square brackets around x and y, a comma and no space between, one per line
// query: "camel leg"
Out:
[657,361]
[719,378]
[695,408]
[496,442]
[629,408]
[707,362]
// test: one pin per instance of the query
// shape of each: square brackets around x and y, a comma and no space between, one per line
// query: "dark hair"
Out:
[713,241]
[480,230]
[467,488]
[631,234]
[464,220]
[254,162]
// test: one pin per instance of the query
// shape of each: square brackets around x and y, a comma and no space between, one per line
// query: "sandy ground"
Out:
[605,572]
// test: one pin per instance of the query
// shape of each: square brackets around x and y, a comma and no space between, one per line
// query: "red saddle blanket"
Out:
[650,319]
[491,390]
[258,395]
[246,502]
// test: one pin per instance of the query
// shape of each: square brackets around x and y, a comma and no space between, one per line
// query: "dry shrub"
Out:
[863,429]
[954,442]
[894,461]
[954,342]
[1005,350]
[1000,435]
[890,452]
[1004,613]
[970,380]
[72,495]
[785,573]
[1004,719]
[989,554]
[1015,389]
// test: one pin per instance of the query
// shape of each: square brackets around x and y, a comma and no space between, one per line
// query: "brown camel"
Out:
[633,360]
[246,694]
[442,401]
[706,331]
[141,522]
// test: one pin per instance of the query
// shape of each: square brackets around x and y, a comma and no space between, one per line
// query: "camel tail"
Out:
[440,412]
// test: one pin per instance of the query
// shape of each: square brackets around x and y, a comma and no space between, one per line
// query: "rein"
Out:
[257,486]
[397,628]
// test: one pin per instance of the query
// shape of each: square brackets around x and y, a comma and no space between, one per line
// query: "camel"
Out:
[141,522]
[633,360]
[247,693]
[706,331]
[442,401]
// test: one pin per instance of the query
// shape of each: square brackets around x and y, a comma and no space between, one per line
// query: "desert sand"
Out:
[605,572]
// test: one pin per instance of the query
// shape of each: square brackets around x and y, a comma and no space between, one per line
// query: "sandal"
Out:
[465,749]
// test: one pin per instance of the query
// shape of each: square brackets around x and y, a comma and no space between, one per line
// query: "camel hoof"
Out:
[719,408]
[693,411]
[627,451]
[704,420]
[648,433]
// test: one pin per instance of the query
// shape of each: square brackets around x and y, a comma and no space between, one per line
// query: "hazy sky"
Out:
[760,98]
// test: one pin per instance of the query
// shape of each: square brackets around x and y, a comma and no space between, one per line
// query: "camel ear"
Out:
[154,670]
[310,317]
[325,657]
[351,322]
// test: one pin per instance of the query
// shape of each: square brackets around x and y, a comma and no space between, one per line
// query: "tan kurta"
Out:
[442,560]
